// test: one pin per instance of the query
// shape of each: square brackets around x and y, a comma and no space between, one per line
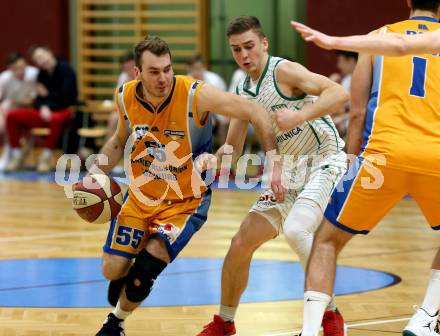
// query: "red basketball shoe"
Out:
[218,327]
[333,324]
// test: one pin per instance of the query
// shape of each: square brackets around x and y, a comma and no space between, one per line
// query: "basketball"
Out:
[97,198]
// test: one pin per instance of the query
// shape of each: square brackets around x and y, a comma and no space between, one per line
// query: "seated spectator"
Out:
[56,93]
[346,62]
[17,89]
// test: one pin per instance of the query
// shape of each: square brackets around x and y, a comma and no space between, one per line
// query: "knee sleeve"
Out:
[141,276]
[300,225]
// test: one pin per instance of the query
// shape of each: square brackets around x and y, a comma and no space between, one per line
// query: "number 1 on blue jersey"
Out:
[418,77]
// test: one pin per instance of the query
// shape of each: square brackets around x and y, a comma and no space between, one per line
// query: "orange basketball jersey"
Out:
[403,116]
[164,140]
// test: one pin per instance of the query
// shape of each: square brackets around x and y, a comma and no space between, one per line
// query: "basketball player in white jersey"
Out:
[309,141]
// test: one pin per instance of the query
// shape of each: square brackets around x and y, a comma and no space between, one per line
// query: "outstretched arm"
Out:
[332,96]
[233,106]
[360,93]
[391,44]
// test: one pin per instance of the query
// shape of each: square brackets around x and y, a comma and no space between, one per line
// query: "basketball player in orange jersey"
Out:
[398,101]
[162,119]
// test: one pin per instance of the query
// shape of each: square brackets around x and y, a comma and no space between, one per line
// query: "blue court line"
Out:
[72,282]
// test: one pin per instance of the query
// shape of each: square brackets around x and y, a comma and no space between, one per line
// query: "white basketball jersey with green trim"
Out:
[316,137]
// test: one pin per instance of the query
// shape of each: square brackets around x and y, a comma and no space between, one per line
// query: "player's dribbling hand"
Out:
[276,183]
[311,35]
[287,119]
[205,161]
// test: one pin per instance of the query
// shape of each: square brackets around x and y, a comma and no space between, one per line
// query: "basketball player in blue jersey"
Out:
[419,95]
[313,143]
[162,112]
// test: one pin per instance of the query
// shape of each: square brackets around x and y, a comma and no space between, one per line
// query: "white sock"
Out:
[431,302]
[314,308]
[332,305]
[119,313]
[227,313]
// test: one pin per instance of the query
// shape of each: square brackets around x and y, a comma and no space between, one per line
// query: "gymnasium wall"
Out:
[274,16]
[29,22]
[47,21]
[347,17]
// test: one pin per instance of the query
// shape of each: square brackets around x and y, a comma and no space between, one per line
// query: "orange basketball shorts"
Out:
[368,190]
[173,221]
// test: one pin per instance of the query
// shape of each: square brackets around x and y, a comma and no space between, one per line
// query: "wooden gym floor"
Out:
[37,222]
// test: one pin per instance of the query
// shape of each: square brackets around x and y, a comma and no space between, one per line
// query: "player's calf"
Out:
[115,289]
[141,276]
[138,284]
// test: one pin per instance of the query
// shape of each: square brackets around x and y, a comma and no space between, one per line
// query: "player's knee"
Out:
[330,239]
[114,267]
[240,244]
[294,230]
[302,222]
[111,271]
[297,236]
[141,276]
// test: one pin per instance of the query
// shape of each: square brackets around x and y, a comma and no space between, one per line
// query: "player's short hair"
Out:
[242,24]
[347,54]
[153,44]
[429,5]
[127,57]
[13,57]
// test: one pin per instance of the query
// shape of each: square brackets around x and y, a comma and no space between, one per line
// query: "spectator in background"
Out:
[127,68]
[127,74]
[346,62]
[17,89]
[197,69]
[56,93]
[237,77]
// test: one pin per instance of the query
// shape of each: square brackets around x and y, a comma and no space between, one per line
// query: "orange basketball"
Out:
[97,198]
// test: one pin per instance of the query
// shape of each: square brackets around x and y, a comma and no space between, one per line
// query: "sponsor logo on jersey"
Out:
[174,134]
[289,135]
[267,200]
[141,130]
[277,107]
[170,231]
